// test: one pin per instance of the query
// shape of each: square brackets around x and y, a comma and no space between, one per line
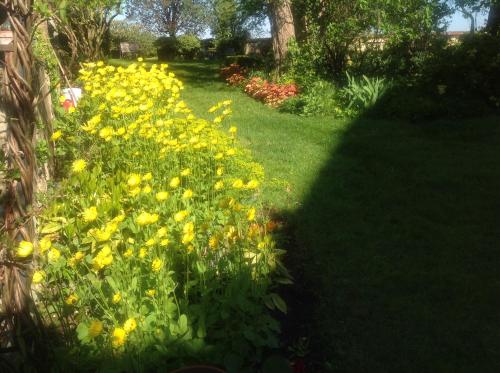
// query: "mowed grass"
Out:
[394,235]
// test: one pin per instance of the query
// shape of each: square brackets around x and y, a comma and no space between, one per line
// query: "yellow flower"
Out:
[187,238]
[238,184]
[162,232]
[231,152]
[251,214]
[219,185]
[164,242]
[156,265]
[38,277]
[147,176]
[106,133]
[128,253]
[72,299]
[134,180]
[78,166]
[79,255]
[188,193]
[135,191]
[53,255]
[213,242]
[252,184]
[103,258]
[90,214]
[95,328]
[233,130]
[129,325]
[143,252]
[117,297]
[186,172]
[146,189]
[45,244]
[220,171]
[119,337]
[24,249]
[174,183]
[181,215]
[146,218]
[56,136]
[161,196]
[151,292]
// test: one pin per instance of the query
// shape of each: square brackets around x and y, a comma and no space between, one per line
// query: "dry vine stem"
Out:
[18,331]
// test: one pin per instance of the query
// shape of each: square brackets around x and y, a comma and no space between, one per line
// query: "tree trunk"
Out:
[282,29]
[493,24]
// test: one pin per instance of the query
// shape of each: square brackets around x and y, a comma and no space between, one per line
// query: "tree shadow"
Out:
[395,249]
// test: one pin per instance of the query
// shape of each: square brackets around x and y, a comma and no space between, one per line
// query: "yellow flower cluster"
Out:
[158,204]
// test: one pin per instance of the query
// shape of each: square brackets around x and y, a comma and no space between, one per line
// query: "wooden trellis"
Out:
[18,331]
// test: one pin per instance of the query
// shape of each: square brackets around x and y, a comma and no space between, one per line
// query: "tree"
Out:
[280,15]
[282,28]
[83,25]
[170,17]
[471,7]
[493,23]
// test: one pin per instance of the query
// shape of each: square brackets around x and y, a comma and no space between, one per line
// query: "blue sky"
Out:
[459,23]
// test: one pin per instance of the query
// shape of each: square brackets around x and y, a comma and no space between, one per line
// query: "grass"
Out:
[393,232]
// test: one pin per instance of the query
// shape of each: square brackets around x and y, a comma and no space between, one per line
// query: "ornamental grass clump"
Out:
[153,248]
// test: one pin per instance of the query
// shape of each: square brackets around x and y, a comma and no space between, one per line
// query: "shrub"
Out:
[271,94]
[123,31]
[245,61]
[364,93]
[234,74]
[153,248]
[188,46]
[166,48]
[321,98]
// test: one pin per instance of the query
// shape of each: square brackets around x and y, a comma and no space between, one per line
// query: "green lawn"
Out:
[393,232]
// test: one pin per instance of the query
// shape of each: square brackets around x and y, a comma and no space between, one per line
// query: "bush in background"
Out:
[133,33]
[166,48]
[188,46]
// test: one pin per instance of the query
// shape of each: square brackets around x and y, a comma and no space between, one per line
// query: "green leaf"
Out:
[51,228]
[279,302]
[112,283]
[201,267]
[183,321]
[82,332]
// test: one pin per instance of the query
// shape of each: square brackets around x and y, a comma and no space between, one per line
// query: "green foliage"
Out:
[244,61]
[188,46]
[364,93]
[166,48]
[319,98]
[133,33]
[44,55]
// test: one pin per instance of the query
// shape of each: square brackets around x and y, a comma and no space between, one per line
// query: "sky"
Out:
[459,23]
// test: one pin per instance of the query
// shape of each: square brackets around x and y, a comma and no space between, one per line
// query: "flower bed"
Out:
[153,248]
[272,94]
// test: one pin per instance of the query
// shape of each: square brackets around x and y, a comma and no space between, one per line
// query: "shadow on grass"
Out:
[395,250]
